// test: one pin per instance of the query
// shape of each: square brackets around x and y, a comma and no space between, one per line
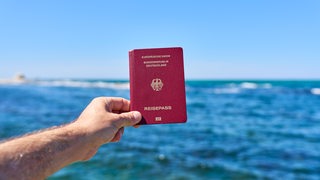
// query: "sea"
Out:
[236,129]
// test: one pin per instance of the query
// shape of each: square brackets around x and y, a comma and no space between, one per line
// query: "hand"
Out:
[103,121]
[38,155]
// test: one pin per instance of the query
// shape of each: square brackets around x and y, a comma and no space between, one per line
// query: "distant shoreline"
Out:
[13,80]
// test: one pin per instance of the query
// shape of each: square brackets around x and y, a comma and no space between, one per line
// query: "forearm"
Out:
[39,155]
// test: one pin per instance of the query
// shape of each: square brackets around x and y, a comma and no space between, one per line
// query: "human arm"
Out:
[39,155]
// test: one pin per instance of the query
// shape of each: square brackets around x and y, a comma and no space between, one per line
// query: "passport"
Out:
[157,85]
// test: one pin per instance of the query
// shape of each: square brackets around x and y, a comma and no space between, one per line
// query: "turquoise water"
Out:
[235,130]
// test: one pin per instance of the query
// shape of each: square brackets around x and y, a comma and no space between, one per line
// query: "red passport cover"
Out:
[157,86]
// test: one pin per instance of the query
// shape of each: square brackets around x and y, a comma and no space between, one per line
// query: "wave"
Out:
[315,91]
[245,87]
[71,83]
[233,88]
[84,84]
[248,85]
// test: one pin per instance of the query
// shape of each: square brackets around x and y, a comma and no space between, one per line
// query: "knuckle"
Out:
[128,116]
[96,99]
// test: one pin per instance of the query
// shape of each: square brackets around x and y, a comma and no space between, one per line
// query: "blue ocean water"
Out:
[235,130]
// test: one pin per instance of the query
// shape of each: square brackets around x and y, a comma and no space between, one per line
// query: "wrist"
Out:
[84,147]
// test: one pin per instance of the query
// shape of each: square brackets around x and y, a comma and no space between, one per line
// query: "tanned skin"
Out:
[40,154]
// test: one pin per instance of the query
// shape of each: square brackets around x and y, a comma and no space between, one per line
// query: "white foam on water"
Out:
[248,85]
[315,91]
[232,90]
[84,84]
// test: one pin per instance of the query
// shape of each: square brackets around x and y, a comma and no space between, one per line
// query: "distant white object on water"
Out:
[17,79]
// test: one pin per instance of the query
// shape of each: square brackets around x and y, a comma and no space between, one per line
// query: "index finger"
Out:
[118,104]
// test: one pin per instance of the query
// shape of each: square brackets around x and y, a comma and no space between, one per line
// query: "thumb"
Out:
[128,119]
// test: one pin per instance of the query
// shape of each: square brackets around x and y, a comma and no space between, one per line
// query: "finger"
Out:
[118,135]
[136,126]
[128,119]
[117,112]
[118,104]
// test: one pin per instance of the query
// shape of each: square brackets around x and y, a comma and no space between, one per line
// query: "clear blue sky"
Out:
[221,39]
